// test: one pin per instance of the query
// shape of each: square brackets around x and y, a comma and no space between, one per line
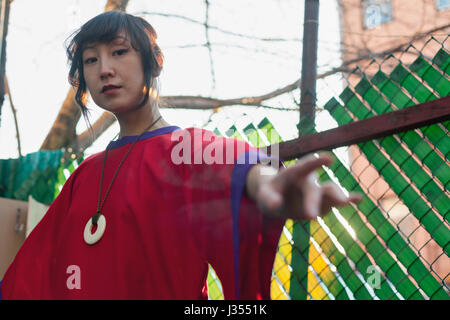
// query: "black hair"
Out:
[104,28]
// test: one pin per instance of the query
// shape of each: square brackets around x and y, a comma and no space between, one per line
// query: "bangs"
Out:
[103,29]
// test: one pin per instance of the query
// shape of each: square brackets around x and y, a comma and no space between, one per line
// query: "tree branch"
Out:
[231,33]
[13,109]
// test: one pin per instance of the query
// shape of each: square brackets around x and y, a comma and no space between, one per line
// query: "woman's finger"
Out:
[333,196]
[355,197]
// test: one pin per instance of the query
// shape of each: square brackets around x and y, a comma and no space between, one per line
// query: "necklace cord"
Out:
[96,216]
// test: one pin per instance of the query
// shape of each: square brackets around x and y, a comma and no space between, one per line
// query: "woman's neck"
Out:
[135,122]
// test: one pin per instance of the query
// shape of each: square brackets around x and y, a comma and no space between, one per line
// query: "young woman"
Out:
[143,219]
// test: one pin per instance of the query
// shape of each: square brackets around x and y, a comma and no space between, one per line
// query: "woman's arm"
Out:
[294,192]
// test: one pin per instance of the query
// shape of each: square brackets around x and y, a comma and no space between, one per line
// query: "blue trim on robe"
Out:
[130,139]
[238,182]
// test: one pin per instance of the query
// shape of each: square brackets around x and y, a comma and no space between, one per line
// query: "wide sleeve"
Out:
[28,275]
[231,233]
[255,235]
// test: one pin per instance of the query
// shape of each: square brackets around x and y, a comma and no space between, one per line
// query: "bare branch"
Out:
[176,16]
[13,109]
[203,103]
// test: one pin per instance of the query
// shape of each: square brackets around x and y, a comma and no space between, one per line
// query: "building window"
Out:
[443,4]
[376,12]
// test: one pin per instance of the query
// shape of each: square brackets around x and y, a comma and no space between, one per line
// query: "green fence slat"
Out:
[435,134]
[378,103]
[423,151]
[442,61]
[358,256]
[272,135]
[393,92]
[298,286]
[340,262]
[375,248]
[411,84]
[233,132]
[432,76]
[403,159]
[253,136]
[386,231]
[269,131]
[406,193]
[390,235]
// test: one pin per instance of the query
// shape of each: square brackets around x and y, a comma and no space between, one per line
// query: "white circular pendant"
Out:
[92,238]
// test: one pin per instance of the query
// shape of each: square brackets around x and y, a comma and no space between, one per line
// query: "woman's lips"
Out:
[110,90]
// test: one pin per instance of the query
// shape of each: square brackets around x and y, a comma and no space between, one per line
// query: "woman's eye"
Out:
[90,60]
[120,52]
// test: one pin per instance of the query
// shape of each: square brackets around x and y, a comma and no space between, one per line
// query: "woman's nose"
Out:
[106,68]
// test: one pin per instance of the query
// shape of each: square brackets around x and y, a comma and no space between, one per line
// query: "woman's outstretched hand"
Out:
[294,192]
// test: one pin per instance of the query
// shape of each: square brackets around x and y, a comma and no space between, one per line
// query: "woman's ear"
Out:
[85,97]
[159,59]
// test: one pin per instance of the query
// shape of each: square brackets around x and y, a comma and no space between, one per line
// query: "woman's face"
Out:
[114,74]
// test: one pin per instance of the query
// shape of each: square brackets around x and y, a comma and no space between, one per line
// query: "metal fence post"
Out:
[301,230]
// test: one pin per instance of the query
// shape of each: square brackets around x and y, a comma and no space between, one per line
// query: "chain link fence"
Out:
[394,244]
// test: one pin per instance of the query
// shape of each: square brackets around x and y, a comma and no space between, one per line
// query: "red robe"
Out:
[165,221]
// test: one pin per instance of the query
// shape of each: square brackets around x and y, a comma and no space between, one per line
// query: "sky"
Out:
[37,67]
